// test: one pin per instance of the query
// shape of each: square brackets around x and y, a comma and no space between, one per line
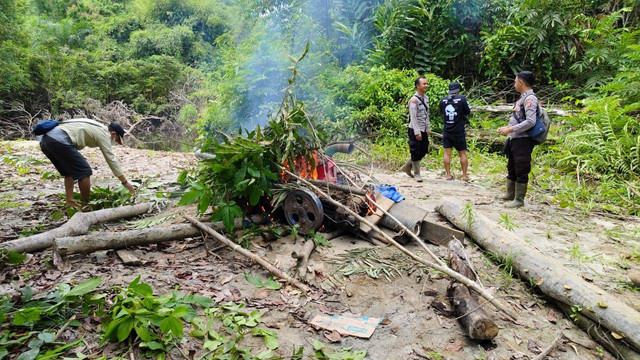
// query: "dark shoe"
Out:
[407,168]
[416,170]
[518,200]
[511,191]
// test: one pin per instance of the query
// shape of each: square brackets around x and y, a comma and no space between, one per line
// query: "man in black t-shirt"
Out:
[455,111]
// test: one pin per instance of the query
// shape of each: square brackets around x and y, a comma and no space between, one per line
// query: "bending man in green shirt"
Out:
[61,145]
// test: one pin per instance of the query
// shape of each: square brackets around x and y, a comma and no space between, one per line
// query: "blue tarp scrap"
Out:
[391,192]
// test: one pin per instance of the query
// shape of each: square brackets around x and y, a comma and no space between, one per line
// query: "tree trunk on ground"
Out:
[119,240]
[473,318]
[259,260]
[79,224]
[552,278]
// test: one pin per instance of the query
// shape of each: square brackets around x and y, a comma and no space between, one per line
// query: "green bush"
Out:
[375,99]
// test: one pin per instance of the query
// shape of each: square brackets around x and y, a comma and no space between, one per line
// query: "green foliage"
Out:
[10,257]
[128,50]
[609,141]
[376,99]
[245,167]
[33,322]
[156,321]
[323,352]
[236,324]
[105,197]
[431,36]
[259,282]
[507,222]
[468,213]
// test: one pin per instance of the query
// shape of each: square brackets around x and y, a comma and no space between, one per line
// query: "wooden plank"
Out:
[128,258]
[439,234]
[383,202]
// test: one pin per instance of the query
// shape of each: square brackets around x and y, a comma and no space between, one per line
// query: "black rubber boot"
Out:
[518,200]
[511,191]
[407,168]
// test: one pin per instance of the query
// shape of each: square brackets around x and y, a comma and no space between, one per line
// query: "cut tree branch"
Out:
[86,244]
[79,224]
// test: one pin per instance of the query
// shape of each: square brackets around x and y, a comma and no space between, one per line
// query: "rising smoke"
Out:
[287,27]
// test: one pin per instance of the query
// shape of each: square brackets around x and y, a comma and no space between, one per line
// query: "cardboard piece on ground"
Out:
[383,202]
[354,325]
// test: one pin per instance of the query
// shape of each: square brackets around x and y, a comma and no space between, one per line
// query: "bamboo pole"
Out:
[462,279]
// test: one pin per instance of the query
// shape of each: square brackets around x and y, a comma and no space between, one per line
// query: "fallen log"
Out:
[444,269]
[79,224]
[473,318]
[259,260]
[551,277]
[508,108]
[86,244]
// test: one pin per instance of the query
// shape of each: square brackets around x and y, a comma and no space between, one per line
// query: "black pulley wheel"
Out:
[303,207]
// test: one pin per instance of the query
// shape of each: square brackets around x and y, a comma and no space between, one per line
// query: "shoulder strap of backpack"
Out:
[422,101]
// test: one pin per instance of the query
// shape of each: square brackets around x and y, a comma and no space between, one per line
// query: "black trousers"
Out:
[418,149]
[518,153]
[66,158]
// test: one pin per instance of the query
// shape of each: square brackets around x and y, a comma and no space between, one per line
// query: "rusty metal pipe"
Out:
[341,147]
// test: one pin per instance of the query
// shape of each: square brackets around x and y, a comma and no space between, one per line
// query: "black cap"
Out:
[115,127]
[454,87]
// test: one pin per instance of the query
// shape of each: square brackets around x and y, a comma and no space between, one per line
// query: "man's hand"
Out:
[428,133]
[130,187]
[419,137]
[505,130]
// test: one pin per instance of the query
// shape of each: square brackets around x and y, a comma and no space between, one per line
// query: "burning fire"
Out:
[371,207]
[305,168]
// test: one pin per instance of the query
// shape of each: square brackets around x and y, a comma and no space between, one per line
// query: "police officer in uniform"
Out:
[455,111]
[419,128]
[519,144]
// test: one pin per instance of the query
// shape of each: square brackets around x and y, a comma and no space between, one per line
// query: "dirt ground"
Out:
[417,327]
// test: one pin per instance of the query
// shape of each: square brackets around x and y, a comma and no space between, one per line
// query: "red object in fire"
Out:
[327,169]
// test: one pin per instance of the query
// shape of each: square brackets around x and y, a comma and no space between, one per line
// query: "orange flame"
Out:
[305,168]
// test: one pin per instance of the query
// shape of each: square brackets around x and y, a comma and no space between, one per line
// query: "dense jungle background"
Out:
[177,70]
